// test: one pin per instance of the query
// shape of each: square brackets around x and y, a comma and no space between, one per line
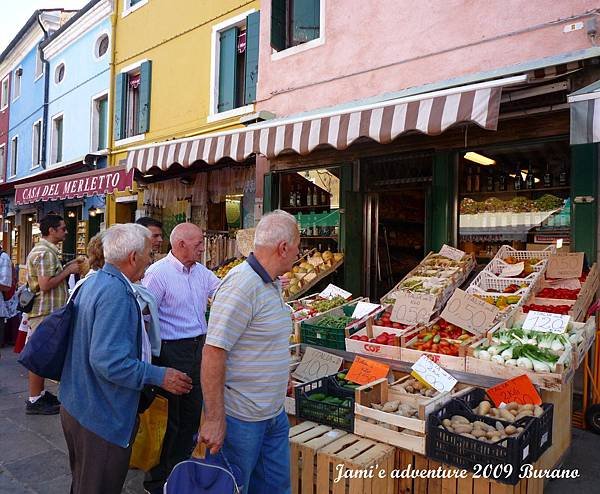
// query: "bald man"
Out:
[182,287]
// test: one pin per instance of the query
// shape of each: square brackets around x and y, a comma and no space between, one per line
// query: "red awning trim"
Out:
[87,184]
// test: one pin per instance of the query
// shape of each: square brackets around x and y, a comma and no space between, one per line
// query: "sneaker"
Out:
[48,397]
[41,407]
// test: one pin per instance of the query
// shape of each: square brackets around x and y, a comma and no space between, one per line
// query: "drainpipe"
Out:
[46,94]
[110,211]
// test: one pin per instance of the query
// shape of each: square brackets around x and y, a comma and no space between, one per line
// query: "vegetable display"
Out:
[383,339]
[552,309]
[334,322]
[558,293]
[384,319]
[441,337]
[414,387]
[519,204]
[480,430]
[510,413]
[303,309]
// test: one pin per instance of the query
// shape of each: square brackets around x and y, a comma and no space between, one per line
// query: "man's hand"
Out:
[176,382]
[73,267]
[212,433]
[285,282]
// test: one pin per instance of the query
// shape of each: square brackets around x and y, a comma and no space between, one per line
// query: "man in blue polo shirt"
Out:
[245,362]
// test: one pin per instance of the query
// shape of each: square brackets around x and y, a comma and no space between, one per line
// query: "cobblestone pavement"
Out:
[34,458]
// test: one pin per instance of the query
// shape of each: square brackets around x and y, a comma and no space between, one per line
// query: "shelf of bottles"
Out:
[520,203]
[311,204]
[82,237]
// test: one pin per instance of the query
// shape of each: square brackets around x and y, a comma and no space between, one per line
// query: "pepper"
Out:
[436,338]
[427,338]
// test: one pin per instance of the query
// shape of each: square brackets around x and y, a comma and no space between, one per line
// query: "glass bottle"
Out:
[489,181]
[298,196]
[477,180]
[469,180]
[314,196]
[502,179]
[308,197]
[292,197]
[518,183]
[563,176]
[548,178]
[323,198]
[530,178]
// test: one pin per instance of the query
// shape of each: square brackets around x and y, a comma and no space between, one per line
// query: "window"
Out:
[2,161]
[39,65]
[17,83]
[36,144]
[99,123]
[130,6]
[132,101]
[101,46]
[294,22]
[237,64]
[59,73]
[14,150]
[57,139]
[4,94]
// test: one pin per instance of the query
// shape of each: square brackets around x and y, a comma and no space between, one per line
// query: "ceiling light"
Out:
[71,214]
[479,158]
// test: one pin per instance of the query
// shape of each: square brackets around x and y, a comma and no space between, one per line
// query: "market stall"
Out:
[475,376]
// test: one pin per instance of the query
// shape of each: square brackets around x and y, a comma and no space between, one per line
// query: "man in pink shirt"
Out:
[182,287]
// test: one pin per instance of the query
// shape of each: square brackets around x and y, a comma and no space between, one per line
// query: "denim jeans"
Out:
[262,452]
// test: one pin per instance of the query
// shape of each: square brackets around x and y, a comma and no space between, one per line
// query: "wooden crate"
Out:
[306,439]
[469,485]
[381,391]
[355,453]
[375,349]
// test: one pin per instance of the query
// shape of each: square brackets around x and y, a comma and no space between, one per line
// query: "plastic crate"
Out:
[464,452]
[338,416]
[543,424]
[497,265]
[520,255]
[312,333]
[489,285]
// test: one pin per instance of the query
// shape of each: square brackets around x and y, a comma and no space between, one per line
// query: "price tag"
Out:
[432,374]
[451,253]
[316,364]
[469,313]
[363,309]
[365,371]
[544,322]
[565,266]
[412,308]
[334,291]
[513,270]
[520,390]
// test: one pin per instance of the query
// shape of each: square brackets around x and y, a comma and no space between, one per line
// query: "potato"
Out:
[460,428]
[520,429]
[484,408]
[495,438]
[483,425]
[499,427]
[409,389]
[459,419]
[479,433]
[527,407]
[538,411]
[513,405]
[390,406]
[490,434]
[447,423]
[524,413]
[376,406]
[506,415]
[510,430]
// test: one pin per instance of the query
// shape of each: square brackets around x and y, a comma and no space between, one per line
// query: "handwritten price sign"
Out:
[451,253]
[520,390]
[316,364]
[412,308]
[544,322]
[365,371]
[432,374]
[334,291]
[469,313]
[565,266]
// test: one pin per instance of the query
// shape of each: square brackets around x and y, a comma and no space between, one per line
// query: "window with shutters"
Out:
[4,94]
[2,161]
[18,77]
[235,63]
[56,149]
[14,156]
[132,101]
[99,122]
[294,22]
[36,144]
[39,65]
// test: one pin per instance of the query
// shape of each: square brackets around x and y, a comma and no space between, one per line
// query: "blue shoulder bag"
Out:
[45,351]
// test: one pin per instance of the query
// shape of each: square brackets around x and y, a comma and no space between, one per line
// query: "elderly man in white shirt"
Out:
[182,287]
[6,279]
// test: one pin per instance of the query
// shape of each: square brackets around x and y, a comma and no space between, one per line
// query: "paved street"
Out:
[33,454]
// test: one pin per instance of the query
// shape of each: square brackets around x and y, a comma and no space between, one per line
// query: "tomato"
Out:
[364,338]
[397,325]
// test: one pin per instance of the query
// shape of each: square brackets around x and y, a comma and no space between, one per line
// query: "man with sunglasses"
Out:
[46,278]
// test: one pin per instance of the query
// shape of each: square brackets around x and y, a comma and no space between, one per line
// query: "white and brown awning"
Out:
[430,113]
[585,114]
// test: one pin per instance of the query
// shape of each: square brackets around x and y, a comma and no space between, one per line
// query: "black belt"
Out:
[195,339]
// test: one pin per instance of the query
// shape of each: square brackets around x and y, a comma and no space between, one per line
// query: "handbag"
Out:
[147,445]
[26,299]
[45,352]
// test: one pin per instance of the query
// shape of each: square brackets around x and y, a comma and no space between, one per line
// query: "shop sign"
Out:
[545,322]
[316,364]
[97,182]
[431,374]
[469,313]
[564,266]
[412,308]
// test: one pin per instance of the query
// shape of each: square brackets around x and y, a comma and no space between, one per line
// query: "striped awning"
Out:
[585,114]
[430,113]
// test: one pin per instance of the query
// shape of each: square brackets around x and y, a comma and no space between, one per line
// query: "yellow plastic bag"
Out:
[147,446]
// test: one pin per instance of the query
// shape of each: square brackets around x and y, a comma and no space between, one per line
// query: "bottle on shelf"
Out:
[298,196]
[489,181]
[518,182]
[563,176]
[308,197]
[469,180]
[548,179]
[477,180]
[292,201]
[314,197]
[323,198]
[530,178]
[502,179]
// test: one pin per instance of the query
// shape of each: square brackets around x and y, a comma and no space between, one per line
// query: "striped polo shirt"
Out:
[250,320]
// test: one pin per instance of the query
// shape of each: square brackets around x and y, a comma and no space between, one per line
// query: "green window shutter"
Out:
[278,18]
[227,70]
[59,139]
[102,120]
[145,86]
[252,35]
[120,101]
[306,20]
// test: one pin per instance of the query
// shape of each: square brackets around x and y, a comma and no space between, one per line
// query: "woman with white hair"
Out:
[103,373]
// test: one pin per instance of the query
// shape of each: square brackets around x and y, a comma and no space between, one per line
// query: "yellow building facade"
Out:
[181,68]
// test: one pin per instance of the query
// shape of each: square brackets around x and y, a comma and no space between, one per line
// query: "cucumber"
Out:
[317,397]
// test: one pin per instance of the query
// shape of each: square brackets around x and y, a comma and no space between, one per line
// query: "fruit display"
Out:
[558,293]
[441,337]
[382,339]
[384,320]
[552,309]
[518,204]
[312,306]
[306,272]
[222,270]
[501,303]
